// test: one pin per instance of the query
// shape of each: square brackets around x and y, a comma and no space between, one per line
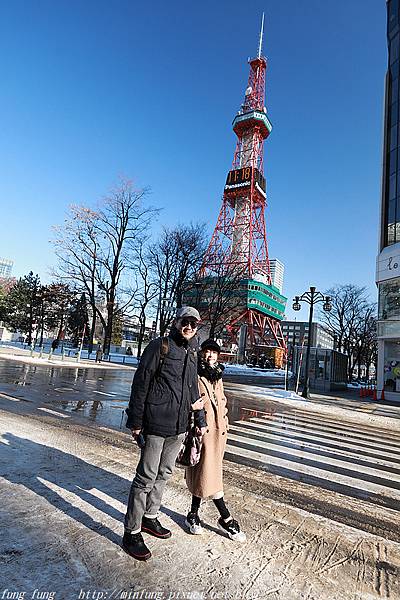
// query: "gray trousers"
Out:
[157,460]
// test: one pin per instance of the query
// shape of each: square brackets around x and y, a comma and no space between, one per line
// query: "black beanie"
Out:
[211,344]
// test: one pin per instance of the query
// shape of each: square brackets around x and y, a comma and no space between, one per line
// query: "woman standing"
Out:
[205,479]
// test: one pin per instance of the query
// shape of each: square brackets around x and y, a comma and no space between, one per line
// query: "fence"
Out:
[67,352]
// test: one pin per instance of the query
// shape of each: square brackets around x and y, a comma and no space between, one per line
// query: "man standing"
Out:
[164,391]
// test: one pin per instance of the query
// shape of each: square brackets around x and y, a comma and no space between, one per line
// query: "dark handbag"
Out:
[190,450]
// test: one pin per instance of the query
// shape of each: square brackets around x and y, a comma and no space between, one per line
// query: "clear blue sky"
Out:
[94,89]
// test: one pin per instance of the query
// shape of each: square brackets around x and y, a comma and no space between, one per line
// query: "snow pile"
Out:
[234,369]
[275,393]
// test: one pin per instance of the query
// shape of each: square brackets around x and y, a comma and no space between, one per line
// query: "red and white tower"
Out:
[239,241]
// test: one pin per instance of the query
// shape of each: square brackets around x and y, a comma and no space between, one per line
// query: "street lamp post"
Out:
[312,297]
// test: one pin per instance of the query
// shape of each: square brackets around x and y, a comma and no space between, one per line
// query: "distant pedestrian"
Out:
[99,354]
[54,344]
[204,480]
[164,391]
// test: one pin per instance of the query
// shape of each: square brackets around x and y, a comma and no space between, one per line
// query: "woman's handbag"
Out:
[190,450]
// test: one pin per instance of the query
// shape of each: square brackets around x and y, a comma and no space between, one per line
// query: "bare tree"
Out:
[95,249]
[370,356]
[349,322]
[121,222]
[146,292]
[363,337]
[216,295]
[174,259]
[78,249]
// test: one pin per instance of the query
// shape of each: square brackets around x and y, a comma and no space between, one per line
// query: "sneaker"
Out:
[232,530]
[154,527]
[134,545]
[194,523]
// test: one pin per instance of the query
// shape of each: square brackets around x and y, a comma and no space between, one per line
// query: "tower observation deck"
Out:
[238,246]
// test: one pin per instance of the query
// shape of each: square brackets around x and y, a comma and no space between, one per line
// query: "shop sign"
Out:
[388,264]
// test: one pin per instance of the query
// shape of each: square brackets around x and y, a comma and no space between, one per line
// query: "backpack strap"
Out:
[164,349]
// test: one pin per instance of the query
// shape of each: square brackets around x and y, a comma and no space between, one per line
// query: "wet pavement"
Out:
[313,486]
[63,492]
[99,395]
[322,452]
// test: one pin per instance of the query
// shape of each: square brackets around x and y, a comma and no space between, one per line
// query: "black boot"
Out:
[134,545]
[154,527]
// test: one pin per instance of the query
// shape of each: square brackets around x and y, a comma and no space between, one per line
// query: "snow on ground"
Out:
[234,369]
[57,361]
[277,394]
[355,385]
[63,496]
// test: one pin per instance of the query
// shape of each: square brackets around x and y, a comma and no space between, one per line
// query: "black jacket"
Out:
[161,397]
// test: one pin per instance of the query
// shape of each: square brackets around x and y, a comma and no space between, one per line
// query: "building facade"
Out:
[277,272]
[388,260]
[296,333]
[6,267]
[6,281]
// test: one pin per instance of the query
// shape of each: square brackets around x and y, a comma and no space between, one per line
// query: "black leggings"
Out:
[219,503]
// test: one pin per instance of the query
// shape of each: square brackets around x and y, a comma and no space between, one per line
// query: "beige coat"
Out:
[205,479]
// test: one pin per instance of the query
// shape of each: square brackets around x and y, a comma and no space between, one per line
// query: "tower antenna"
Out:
[261,37]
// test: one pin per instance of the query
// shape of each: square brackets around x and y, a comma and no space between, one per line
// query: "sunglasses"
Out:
[186,322]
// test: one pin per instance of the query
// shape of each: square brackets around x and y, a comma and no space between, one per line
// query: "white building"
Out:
[277,272]
[296,333]
[6,267]
[388,259]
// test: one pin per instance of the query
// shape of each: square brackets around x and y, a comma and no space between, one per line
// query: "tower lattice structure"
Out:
[239,241]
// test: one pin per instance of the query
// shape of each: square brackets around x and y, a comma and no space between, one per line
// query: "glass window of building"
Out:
[392,211]
[392,187]
[395,90]
[393,161]
[394,49]
[393,14]
[389,300]
[393,138]
[393,113]
[390,234]
[391,377]
[398,178]
[394,71]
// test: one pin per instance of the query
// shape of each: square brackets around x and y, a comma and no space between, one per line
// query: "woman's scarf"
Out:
[212,374]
